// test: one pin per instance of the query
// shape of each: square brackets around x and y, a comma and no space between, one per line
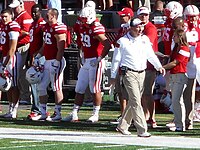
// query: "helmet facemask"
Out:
[87,15]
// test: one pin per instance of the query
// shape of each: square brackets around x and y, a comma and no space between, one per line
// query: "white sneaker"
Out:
[54,118]
[124,132]
[145,134]
[39,117]
[176,129]
[71,118]
[170,125]
[116,121]
[93,118]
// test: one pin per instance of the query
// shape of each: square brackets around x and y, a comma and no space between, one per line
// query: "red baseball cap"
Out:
[126,12]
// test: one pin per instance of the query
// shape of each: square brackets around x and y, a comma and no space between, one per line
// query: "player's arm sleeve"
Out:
[116,60]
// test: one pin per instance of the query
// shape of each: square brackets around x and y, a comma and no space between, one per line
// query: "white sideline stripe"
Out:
[152,148]
[99,137]
[107,146]
[14,142]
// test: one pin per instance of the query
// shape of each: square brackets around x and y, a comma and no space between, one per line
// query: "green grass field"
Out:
[109,112]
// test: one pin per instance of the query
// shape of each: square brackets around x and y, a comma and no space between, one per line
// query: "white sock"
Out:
[75,109]
[96,110]
[57,109]
[43,109]
[14,109]
[10,109]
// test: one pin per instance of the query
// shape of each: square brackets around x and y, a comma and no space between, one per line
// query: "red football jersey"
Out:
[193,38]
[167,37]
[50,48]
[122,31]
[4,35]
[91,47]
[150,31]
[182,55]
[36,36]
[0,32]
[76,27]
[24,20]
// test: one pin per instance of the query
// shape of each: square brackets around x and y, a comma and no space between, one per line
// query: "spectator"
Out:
[126,15]
[147,98]
[24,20]
[11,60]
[178,68]
[106,4]
[132,58]
[171,13]
[95,47]
[139,3]
[177,23]
[36,41]
[53,50]
[158,18]
[56,4]
[125,3]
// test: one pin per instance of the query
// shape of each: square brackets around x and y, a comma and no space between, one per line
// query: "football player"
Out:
[95,47]
[53,50]
[36,41]
[191,14]
[9,34]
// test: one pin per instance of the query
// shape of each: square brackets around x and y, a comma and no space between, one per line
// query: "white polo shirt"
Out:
[133,53]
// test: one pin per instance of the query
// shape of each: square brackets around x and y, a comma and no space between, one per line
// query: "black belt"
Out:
[138,71]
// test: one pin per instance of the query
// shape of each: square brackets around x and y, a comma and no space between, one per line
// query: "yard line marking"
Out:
[14,142]
[11,147]
[107,146]
[152,148]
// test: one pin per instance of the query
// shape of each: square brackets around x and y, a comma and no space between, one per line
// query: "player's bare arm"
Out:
[11,52]
[107,46]
[171,64]
[61,40]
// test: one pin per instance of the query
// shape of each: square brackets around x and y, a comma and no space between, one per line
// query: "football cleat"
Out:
[8,116]
[71,118]
[39,117]
[54,118]
[93,118]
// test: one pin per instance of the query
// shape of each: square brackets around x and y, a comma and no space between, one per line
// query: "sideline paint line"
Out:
[153,148]
[107,146]
[14,142]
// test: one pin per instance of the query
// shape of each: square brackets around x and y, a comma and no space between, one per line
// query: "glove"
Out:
[54,66]
[95,62]
[2,69]
[36,61]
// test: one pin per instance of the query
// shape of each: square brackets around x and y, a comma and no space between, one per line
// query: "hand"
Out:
[36,61]
[54,66]
[95,62]
[2,69]
[162,71]
[112,82]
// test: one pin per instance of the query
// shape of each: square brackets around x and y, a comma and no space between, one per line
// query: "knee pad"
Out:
[42,92]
